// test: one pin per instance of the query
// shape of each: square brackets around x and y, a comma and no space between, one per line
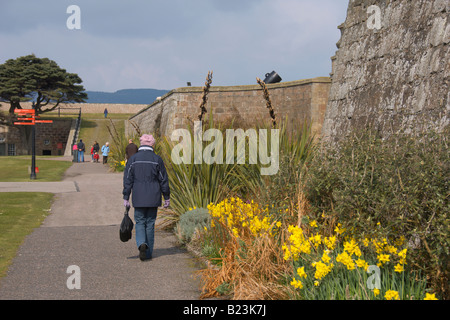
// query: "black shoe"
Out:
[143,251]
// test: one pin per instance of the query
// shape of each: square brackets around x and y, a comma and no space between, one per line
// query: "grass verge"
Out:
[16,169]
[20,213]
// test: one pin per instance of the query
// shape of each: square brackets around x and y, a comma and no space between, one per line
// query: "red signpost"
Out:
[27,117]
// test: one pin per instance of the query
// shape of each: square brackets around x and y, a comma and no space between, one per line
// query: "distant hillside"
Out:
[126,96]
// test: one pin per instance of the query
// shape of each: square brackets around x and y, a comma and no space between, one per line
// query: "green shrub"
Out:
[390,187]
[280,192]
[119,143]
[198,185]
[190,221]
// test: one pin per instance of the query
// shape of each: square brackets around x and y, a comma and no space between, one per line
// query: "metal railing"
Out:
[77,128]
[76,111]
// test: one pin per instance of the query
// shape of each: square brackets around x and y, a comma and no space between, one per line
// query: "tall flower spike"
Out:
[205,95]
[268,101]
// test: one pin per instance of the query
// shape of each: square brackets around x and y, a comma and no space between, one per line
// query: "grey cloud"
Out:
[164,44]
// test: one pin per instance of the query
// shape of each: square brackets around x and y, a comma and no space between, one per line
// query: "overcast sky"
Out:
[162,44]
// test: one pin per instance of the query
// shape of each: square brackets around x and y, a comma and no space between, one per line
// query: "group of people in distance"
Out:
[95,150]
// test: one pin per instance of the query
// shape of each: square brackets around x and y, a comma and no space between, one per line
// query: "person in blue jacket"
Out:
[105,152]
[145,176]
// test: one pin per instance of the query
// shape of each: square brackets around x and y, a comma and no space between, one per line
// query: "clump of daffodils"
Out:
[296,245]
[318,255]
[328,261]
[243,218]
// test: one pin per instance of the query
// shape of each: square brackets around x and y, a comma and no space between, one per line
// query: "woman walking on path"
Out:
[145,175]
[105,152]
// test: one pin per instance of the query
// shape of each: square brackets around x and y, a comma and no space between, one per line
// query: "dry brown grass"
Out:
[254,267]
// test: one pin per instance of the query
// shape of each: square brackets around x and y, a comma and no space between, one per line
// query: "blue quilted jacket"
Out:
[145,176]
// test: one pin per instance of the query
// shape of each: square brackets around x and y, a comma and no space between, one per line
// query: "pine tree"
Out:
[41,80]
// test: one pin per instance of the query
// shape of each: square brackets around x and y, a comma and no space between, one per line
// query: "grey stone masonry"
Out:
[391,76]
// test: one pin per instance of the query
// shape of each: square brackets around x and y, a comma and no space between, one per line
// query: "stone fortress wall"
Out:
[244,106]
[394,76]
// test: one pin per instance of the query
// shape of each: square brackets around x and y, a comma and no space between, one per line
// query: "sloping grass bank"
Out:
[94,127]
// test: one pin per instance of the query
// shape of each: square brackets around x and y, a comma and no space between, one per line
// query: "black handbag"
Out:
[126,227]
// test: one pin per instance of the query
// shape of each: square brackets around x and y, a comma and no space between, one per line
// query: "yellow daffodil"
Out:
[322,269]
[297,244]
[361,263]
[313,224]
[402,256]
[392,295]
[391,249]
[383,258]
[399,268]
[429,296]
[346,259]
[316,240]
[338,229]
[296,284]
[326,258]
[330,242]
[301,272]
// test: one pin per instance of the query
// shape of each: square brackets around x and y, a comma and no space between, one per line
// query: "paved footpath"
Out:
[83,230]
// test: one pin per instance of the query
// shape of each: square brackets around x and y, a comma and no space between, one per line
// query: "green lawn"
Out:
[16,169]
[20,213]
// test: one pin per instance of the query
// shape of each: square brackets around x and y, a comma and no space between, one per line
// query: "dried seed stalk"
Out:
[205,95]
[268,102]
[136,127]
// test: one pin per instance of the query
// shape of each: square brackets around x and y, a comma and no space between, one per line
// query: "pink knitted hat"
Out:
[147,140]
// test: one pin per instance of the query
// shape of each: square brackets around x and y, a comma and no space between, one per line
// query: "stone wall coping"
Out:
[252,87]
